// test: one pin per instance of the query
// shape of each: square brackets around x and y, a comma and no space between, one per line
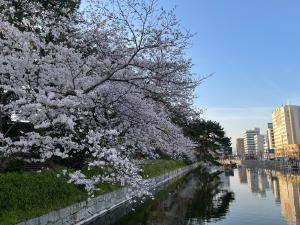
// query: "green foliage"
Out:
[30,194]
[103,187]
[76,160]
[16,165]
[57,7]
[209,136]
[14,129]
[69,5]
[153,168]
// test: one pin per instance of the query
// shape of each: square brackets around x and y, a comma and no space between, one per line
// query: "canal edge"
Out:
[88,211]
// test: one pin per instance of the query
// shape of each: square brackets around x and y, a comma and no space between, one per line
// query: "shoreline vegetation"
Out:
[28,194]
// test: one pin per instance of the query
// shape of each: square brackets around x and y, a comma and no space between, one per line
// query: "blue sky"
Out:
[253,49]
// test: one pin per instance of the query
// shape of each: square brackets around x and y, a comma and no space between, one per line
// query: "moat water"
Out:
[237,197]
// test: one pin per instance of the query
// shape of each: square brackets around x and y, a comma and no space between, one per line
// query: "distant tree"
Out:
[208,136]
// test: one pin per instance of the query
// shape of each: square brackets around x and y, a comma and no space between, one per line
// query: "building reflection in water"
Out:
[289,198]
[285,189]
[242,174]
[275,189]
[252,180]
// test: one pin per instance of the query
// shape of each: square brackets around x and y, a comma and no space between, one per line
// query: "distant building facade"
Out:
[240,149]
[259,141]
[242,174]
[286,126]
[269,142]
[249,142]
[269,138]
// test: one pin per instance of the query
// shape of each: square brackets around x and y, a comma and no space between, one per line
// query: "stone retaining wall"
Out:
[268,164]
[88,211]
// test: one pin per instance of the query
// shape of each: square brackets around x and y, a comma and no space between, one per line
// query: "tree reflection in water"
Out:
[198,198]
[210,201]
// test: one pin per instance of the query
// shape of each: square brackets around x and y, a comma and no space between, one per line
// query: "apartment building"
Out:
[286,126]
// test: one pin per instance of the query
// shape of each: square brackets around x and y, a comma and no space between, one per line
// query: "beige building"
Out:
[286,126]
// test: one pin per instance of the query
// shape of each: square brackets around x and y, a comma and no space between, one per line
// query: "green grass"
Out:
[30,194]
[153,168]
[24,195]
[104,187]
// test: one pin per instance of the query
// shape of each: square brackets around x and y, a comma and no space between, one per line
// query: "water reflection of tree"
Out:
[197,198]
[210,201]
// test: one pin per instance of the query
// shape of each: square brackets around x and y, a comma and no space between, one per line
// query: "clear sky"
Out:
[253,49]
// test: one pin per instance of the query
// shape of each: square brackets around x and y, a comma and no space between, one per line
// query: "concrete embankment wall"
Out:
[269,164]
[88,211]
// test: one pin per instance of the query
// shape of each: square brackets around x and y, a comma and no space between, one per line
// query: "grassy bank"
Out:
[29,194]
[25,195]
[153,168]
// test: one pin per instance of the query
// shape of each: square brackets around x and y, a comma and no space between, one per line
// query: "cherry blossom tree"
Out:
[101,83]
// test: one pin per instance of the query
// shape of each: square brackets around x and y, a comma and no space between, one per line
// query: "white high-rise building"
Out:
[249,141]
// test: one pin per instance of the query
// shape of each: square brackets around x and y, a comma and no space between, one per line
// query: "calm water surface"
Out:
[237,197]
